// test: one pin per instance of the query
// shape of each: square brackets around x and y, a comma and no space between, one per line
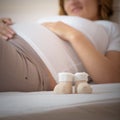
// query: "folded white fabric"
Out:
[65,77]
[81,76]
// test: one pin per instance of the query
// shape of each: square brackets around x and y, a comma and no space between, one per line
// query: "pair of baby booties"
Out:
[73,83]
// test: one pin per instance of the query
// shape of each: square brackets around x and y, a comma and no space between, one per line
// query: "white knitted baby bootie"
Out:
[81,85]
[65,83]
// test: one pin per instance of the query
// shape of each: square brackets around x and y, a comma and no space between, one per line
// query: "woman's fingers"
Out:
[61,29]
[10,30]
[7,33]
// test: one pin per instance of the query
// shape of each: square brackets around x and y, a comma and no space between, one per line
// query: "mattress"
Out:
[102,104]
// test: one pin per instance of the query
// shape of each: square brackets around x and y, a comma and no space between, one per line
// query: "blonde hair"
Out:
[105,9]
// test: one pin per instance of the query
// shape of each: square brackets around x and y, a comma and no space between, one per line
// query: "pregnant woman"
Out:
[84,40]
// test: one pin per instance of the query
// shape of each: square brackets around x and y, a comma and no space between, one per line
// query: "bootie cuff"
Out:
[65,77]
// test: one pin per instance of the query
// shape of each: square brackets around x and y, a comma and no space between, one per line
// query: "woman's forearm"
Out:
[100,68]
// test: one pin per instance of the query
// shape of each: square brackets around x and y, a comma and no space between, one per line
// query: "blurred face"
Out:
[83,8]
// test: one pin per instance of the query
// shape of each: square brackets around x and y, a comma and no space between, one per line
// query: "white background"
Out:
[28,10]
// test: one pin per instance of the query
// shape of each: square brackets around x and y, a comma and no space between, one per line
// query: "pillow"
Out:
[116,8]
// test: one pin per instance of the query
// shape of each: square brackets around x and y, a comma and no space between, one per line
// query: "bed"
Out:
[102,104]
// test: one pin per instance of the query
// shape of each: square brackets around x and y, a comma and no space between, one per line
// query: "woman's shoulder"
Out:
[110,26]
[107,23]
[113,30]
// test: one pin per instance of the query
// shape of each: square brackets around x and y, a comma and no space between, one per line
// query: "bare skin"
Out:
[82,8]
[5,31]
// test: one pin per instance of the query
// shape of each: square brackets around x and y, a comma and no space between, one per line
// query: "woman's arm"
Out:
[5,31]
[102,69]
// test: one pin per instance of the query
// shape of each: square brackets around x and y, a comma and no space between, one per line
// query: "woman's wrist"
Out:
[75,37]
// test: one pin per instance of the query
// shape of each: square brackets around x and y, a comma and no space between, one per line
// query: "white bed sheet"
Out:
[103,103]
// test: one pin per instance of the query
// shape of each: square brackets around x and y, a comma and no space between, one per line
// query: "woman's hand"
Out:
[5,31]
[61,29]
